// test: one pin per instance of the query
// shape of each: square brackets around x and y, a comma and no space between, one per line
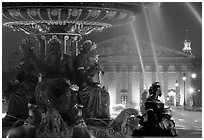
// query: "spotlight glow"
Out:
[195,13]
[138,49]
[146,13]
[191,90]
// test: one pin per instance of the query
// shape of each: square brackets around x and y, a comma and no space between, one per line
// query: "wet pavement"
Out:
[188,123]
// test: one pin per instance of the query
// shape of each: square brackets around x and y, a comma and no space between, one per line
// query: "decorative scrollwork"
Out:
[100,133]
[95,12]
[54,37]
[84,20]
[111,131]
[14,12]
[111,14]
[54,12]
[33,12]
[123,15]
[42,28]
[74,12]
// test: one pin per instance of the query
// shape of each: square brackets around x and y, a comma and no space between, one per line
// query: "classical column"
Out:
[154,73]
[124,80]
[111,85]
[181,82]
[165,92]
[188,85]
[178,96]
[118,83]
[141,85]
[130,100]
[135,81]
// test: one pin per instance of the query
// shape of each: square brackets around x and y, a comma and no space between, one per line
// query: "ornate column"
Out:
[42,45]
[71,46]
[67,45]
[75,47]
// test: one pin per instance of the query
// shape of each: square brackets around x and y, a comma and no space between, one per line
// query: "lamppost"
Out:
[193,75]
[184,86]
[177,96]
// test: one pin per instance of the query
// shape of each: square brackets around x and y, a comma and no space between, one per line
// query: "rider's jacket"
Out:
[156,106]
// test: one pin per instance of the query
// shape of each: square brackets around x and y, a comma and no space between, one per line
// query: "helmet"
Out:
[155,86]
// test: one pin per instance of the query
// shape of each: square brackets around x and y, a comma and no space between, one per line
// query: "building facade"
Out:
[131,69]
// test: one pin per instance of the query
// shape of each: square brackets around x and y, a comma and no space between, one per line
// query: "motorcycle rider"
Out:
[153,105]
[154,122]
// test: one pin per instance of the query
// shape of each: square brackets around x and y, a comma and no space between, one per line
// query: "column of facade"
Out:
[118,83]
[178,96]
[130,100]
[184,70]
[188,85]
[110,83]
[124,81]
[135,80]
[165,83]
[141,85]
[147,77]
[181,83]
[154,73]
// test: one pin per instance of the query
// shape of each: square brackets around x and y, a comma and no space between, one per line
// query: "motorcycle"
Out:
[156,123]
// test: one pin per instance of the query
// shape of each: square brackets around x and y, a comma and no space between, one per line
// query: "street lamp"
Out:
[193,75]
[177,96]
[184,86]
[176,84]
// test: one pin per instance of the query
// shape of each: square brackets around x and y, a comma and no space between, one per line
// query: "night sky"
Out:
[168,24]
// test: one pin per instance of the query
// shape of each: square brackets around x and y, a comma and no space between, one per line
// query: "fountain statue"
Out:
[54,94]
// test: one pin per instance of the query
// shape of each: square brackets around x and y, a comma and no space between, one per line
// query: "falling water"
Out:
[151,40]
[193,10]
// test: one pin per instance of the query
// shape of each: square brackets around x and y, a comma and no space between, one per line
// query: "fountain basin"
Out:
[67,17]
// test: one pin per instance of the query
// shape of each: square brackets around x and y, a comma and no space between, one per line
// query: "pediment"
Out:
[125,46]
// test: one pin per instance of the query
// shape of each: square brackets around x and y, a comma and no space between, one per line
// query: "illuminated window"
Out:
[124,97]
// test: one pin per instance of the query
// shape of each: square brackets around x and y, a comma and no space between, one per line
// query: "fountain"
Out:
[64,24]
